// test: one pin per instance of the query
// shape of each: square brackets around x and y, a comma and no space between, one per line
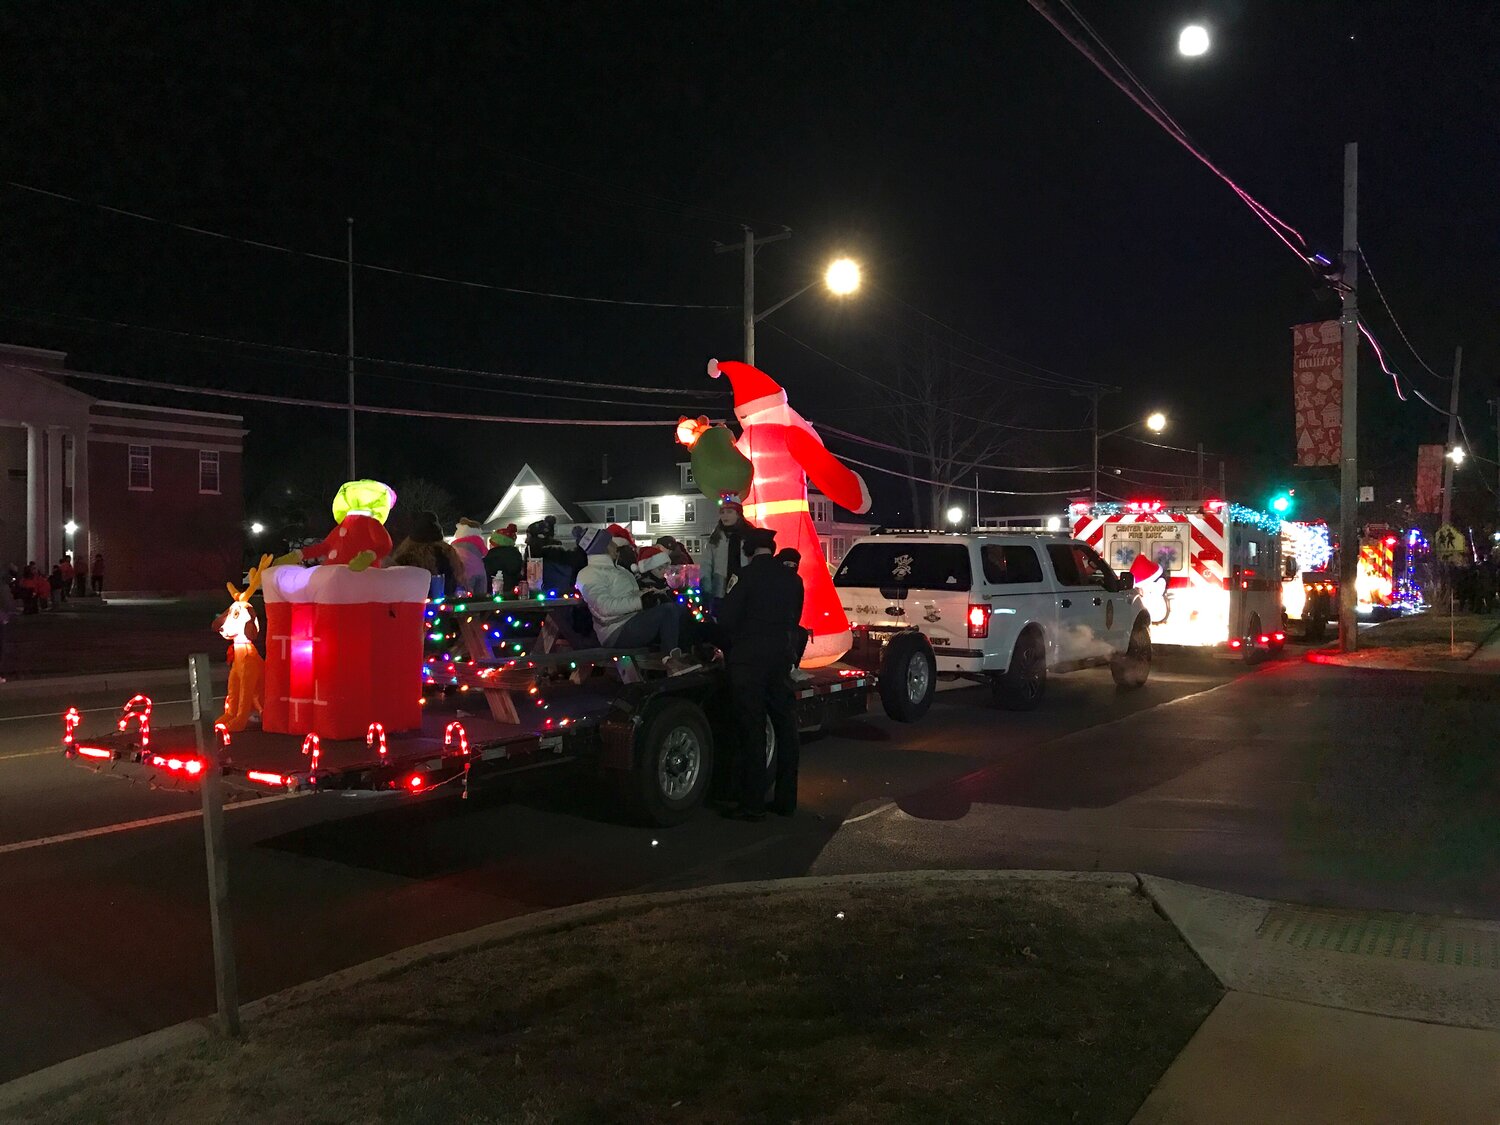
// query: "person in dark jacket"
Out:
[759,613]
[505,560]
[791,558]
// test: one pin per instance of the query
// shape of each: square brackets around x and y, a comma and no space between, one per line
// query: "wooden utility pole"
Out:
[226,976]
[1349,443]
[1448,463]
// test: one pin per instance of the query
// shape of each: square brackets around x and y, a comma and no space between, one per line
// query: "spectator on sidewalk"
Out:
[96,573]
[56,585]
[34,581]
[81,577]
[7,611]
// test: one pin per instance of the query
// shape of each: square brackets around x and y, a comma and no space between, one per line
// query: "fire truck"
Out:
[1209,573]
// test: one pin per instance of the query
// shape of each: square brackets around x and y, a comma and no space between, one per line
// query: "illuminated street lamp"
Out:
[841,277]
[1192,41]
[257,527]
[1156,422]
[70,527]
[955,515]
[1457,455]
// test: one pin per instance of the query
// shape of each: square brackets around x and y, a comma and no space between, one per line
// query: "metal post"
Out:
[750,296]
[1448,466]
[352,474]
[1349,446]
[976,499]
[1095,397]
[226,977]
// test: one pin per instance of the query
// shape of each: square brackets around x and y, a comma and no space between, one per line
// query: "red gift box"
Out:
[343,649]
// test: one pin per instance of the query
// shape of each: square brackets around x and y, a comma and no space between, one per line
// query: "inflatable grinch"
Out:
[781,453]
[360,540]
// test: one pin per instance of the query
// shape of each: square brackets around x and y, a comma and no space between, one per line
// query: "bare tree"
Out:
[418,494]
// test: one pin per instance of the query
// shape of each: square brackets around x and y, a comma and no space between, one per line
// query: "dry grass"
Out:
[1009,1003]
[1420,641]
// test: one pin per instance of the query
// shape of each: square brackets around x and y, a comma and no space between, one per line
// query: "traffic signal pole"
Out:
[1349,447]
[1448,464]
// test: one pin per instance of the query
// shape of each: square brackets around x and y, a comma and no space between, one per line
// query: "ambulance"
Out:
[1209,573]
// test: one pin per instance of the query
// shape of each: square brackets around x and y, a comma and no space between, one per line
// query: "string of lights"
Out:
[369,266]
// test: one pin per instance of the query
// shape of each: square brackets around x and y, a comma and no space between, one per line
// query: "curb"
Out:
[47,687]
[121,1056]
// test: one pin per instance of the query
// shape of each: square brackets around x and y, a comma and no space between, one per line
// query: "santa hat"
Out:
[731,502]
[1144,569]
[619,536]
[754,390]
[652,558]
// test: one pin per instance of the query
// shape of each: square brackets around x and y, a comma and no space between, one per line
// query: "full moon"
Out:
[1193,41]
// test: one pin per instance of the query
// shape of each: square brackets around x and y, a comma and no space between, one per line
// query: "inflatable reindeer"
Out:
[238,626]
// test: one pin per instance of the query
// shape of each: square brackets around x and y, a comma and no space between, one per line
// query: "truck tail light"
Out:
[979,622]
[1235,642]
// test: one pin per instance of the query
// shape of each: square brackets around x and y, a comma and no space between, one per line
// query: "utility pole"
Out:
[352,474]
[1198,493]
[1349,440]
[749,318]
[1448,465]
[1094,396]
[216,851]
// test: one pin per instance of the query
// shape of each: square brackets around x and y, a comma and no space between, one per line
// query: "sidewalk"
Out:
[1334,1016]
[85,637]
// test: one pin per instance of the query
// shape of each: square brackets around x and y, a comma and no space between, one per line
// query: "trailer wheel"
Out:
[1021,686]
[908,677]
[1132,670]
[674,762]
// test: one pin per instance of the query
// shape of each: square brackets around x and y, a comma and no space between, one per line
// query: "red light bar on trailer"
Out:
[265,777]
[94,752]
[1143,507]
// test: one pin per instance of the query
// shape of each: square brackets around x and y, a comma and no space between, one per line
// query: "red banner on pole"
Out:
[1429,478]
[1318,385]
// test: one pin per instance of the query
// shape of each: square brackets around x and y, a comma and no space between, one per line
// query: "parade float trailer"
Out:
[372,691]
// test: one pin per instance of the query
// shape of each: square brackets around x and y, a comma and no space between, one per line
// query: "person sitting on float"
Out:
[622,617]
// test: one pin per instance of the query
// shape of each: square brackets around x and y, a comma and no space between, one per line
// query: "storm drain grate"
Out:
[1371,936]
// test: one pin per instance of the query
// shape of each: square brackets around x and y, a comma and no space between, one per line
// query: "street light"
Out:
[841,277]
[1156,422]
[70,527]
[955,515]
[1457,455]
[1192,41]
[257,527]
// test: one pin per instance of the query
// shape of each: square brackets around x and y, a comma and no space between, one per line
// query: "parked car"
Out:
[1005,607]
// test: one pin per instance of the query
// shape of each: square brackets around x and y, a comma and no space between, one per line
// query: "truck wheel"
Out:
[1132,670]
[908,677]
[1253,654]
[1314,624]
[674,761]
[1021,686]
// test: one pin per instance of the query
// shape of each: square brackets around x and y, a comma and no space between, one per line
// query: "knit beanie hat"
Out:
[426,529]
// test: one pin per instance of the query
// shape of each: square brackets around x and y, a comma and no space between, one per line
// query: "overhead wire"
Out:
[369,266]
[1379,292]
[959,485]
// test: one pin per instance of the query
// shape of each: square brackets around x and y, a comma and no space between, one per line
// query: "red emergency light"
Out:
[1213,505]
[265,777]
[1143,507]
[1390,540]
[94,752]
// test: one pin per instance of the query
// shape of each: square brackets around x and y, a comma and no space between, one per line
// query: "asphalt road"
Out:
[1294,781]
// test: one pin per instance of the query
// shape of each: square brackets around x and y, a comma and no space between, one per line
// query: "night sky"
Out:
[979,168]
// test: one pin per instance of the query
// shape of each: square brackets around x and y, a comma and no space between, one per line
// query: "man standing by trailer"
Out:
[759,614]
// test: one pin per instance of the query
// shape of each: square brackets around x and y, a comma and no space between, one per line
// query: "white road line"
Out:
[30,754]
[887,807]
[149,822]
[85,711]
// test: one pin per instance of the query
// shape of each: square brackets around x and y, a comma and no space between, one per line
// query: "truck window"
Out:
[916,566]
[1077,565]
[1009,566]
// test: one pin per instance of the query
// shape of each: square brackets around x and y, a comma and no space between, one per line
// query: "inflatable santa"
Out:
[785,453]
[1151,581]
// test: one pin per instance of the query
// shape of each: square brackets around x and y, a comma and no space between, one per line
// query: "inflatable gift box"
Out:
[343,649]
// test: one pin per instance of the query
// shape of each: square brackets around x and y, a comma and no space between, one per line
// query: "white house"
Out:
[684,514]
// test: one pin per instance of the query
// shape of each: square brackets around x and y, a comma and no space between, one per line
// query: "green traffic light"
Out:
[1281,504]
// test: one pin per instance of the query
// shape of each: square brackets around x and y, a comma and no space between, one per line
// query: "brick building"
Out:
[161,494]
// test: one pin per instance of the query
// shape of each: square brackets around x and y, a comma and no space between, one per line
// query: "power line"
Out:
[1379,292]
[846,436]
[370,266]
[342,357]
[280,400]
[957,484]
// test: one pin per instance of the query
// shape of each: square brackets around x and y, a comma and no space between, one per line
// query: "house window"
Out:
[609,514]
[208,472]
[140,468]
[690,511]
[838,549]
[693,546]
[819,511]
[635,513]
[655,513]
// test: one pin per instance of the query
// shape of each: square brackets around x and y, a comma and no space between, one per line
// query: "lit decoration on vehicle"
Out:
[95,752]
[238,626]
[1311,544]
[375,737]
[265,777]
[313,745]
[139,710]
[71,719]
[456,728]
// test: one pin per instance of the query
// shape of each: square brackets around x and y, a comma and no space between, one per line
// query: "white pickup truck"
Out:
[1006,607]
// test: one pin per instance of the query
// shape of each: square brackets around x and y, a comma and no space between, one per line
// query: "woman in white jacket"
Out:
[621,618]
[721,557]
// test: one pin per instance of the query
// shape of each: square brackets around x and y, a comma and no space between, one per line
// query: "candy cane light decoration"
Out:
[463,737]
[376,736]
[71,719]
[313,745]
[139,709]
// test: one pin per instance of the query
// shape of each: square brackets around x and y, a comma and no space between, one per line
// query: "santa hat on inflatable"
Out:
[652,558]
[1144,570]
[754,390]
